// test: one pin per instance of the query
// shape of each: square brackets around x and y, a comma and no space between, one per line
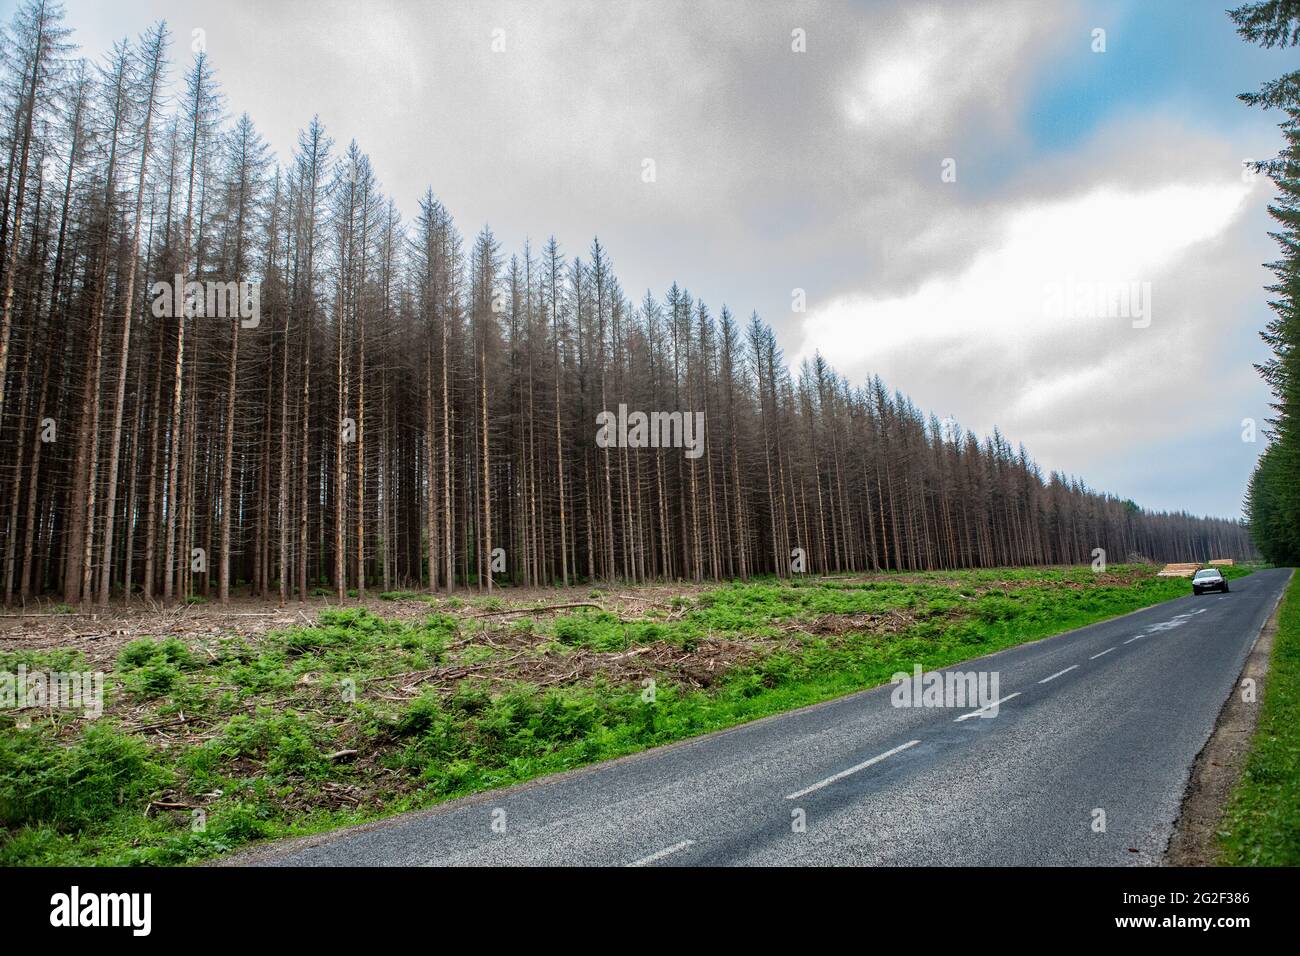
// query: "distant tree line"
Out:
[396,407]
[1273,497]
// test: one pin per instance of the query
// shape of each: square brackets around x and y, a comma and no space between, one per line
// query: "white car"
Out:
[1209,579]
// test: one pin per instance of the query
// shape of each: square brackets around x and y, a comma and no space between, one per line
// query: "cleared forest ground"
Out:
[224,726]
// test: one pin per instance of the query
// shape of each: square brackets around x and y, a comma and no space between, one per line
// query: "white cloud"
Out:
[1084,393]
[1103,238]
[935,62]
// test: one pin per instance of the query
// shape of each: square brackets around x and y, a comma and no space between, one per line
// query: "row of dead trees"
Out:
[220,373]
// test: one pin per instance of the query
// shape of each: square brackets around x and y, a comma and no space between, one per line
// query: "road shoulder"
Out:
[1219,765]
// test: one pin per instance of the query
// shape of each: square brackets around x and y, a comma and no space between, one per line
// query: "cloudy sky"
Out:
[952,185]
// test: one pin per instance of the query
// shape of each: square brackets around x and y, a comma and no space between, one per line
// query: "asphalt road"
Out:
[1106,719]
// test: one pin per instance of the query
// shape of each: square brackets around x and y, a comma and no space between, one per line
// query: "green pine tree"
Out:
[1273,497]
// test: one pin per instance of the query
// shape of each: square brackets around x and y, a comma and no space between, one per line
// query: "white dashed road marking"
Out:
[1058,674]
[1106,651]
[1166,625]
[844,773]
[667,851]
[988,707]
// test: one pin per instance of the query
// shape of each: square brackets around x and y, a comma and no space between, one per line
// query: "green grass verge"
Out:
[1261,823]
[256,725]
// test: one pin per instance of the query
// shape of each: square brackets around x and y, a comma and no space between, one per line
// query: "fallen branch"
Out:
[165,723]
[55,614]
[537,610]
